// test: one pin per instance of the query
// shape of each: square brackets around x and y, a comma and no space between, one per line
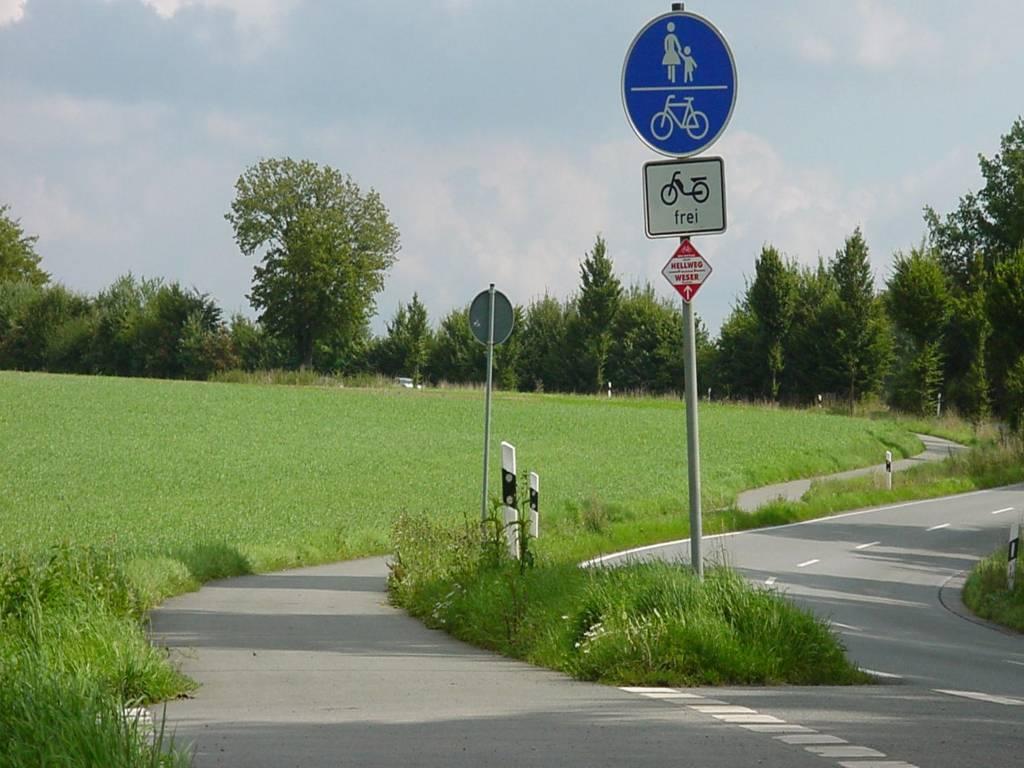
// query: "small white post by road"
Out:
[938,407]
[534,505]
[509,498]
[1011,554]
[888,470]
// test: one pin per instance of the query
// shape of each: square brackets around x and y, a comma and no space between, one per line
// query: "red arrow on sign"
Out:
[687,270]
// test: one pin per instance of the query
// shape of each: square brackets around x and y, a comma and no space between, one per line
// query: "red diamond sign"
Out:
[687,270]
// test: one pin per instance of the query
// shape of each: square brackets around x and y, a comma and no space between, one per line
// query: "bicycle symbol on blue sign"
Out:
[679,84]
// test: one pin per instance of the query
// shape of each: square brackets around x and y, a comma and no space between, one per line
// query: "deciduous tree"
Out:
[325,247]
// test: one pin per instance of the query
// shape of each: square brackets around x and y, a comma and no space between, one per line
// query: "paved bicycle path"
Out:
[935,449]
[313,667]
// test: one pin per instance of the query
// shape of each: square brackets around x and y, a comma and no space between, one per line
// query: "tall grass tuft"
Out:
[988,595]
[641,624]
[657,624]
[73,657]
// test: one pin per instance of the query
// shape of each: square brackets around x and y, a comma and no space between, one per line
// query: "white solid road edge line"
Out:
[601,560]
[886,675]
[983,697]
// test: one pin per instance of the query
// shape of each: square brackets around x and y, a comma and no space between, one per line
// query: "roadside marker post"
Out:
[1011,554]
[534,505]
[509,498]
[888,470]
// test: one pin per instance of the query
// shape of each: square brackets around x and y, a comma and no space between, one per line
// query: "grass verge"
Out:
[73,657]
[988,595]
[641,624]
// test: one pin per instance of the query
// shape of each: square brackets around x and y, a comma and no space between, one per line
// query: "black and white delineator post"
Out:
[509,498]
[1011,554]
[888,470]
[534,505]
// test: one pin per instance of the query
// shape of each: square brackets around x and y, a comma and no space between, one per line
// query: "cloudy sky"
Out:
[493,130]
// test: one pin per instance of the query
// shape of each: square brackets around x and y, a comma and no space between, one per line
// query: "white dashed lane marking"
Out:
[938,527]
[878,764]
[869,544]
[1000,511]
[808,562]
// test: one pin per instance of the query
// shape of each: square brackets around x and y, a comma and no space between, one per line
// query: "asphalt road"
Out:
[314,668]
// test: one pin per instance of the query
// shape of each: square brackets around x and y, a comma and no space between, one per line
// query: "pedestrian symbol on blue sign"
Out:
[679,84]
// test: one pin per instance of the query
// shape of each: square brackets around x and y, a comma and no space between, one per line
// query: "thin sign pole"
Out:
[487,403]
[692,435]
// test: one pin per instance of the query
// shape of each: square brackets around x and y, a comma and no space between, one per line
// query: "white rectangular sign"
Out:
[684,197]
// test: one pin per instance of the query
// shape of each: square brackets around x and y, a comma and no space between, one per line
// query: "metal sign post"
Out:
[487,399]
[692,435]
[491,318]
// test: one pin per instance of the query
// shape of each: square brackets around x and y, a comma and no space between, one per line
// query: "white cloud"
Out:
[886,38]
[263,15]
[815,49]
[11,11]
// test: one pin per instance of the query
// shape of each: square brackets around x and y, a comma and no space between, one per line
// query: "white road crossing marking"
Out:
[635,689]
[750,719]
[810,738]
[670,696]
[1000,511]
[723,709]
[787,728]
[846,751]
[939,527]
[808,562]
[869,544]
[983,697]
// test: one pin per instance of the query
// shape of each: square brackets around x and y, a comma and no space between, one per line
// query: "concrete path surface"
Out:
[935,449]
[312,667]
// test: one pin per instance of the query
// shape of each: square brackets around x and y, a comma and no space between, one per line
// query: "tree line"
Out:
[948,323]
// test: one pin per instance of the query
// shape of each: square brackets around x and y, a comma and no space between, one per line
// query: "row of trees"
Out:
[948,323]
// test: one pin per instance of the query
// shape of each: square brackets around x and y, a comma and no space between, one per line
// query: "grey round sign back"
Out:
[479,312]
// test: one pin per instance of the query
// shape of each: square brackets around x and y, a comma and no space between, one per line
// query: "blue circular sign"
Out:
[679,84]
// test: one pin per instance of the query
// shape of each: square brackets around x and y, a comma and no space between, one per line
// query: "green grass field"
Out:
[281,474]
